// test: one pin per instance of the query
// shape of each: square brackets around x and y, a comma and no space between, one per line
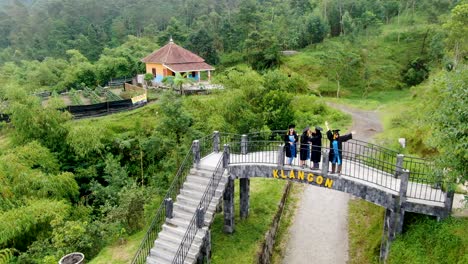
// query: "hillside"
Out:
[103,178]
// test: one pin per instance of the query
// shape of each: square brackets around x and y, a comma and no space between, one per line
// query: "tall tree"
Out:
[262,50]
[338,63]
[202,43]
[457,32]
[449,121]
[175,31]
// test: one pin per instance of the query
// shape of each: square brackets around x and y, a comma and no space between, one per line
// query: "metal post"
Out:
[280,161]
[226,155]
[399,165]
[169,204]
[325,164]
[196,153]
[216,141]
[200,217]
[244,142]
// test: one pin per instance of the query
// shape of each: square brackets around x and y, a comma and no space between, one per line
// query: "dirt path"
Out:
[319,233]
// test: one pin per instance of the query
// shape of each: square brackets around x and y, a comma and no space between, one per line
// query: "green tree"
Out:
[457,32]
[201,42]
[449,121]
[175,31]
[277,109]
[416,72]
[175,121]
[79,71]
[177,82]
[318,29]
[86,140]
[34,122]
[18,223]
[339,63]
[262,51]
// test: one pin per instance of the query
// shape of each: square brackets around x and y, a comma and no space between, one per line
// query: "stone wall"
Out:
[264,254]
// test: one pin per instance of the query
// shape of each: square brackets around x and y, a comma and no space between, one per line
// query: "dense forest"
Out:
[78,185]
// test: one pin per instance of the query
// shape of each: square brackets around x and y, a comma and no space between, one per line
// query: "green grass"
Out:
[429,241]
[378,100]
[310,110]
[120,252]
[365,222]
[144,118]
[282,237]
[242,246]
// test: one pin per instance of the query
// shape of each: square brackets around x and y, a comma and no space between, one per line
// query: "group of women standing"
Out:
[311,146]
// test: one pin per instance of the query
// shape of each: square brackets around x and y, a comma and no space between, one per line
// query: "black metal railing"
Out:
[205,201]
[206,145]
[362,160]
[226,138]
[156,224]
[424,182]
[367,166]
[254,152]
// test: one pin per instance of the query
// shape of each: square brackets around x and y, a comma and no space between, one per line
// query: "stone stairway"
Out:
[173,230]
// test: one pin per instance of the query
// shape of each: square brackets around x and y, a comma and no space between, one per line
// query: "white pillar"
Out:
[198,76]
[209,75]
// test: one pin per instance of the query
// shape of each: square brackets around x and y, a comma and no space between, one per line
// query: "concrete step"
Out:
[194,186]
[176,221]
[175,240]
[198,179]
[197,187]
[182,214]
[173,246]
[190,209]
[202,172]
[183,199]
[160,255]
[198,195]
[180,232]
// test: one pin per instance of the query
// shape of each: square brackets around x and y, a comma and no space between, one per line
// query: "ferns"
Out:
[6,255]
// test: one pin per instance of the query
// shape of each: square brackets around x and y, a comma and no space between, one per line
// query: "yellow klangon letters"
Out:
[300,175]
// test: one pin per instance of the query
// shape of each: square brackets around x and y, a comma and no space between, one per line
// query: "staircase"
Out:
[169,239]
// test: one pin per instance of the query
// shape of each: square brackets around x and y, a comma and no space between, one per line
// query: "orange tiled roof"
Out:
[172,53]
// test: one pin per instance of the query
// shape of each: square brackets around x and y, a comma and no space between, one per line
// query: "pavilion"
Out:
[172,58]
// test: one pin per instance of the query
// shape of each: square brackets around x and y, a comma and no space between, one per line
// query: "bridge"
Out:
[204,185]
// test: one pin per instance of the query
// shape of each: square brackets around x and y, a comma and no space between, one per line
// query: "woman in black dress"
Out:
[316,147]
[304,154]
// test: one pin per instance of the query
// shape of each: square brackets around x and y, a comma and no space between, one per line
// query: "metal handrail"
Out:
[205,201]
[155,227]
[365,161]
[206,145]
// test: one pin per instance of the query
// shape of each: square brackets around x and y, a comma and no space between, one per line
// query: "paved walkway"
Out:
[327,211]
